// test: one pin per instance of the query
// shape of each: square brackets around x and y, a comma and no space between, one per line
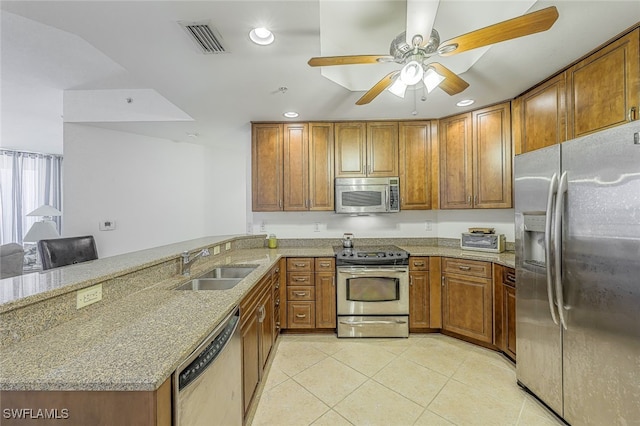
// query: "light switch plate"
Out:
[107,225]
[89,295]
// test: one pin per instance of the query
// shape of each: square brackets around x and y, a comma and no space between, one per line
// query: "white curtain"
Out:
[27,181]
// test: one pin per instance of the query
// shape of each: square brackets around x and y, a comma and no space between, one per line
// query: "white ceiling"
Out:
[106,48]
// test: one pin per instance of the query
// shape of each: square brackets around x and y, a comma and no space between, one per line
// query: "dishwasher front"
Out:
[207,386]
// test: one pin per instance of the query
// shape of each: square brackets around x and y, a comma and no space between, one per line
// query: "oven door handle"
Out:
[373,271]
[359,323]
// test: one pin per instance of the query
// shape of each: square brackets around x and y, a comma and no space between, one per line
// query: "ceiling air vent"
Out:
[208,39]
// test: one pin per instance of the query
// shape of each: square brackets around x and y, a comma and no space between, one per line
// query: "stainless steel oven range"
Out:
[373,292]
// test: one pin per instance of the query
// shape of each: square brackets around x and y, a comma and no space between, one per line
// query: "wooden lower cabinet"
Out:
[301,314]
[418,293]
[258,330]
[467,299]
[144,408]
[325,283]
[505,310]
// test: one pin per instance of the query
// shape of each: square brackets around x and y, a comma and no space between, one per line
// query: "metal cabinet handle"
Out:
[299,280]
[418,263]
[410,280]
[277,286]
[469,199]
[631,115]
[277,325]
[325,264]
[262,313]
[464,268]
[277,270]
[333,281]
[299,293]
[280,203]
[301,315]
[475,199]
[299,265]
[442,281]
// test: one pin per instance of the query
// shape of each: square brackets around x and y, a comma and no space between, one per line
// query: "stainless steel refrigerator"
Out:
[577,225]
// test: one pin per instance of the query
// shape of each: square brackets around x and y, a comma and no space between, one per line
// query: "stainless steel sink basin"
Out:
[229,272]
[210,284]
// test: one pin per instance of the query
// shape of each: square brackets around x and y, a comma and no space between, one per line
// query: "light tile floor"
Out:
[427,379]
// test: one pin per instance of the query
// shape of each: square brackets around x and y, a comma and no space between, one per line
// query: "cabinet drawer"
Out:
[419,263]
[466,267]
[509,277]
[325,264]
[302,264]
[301,314]
[301,293]
[299,278]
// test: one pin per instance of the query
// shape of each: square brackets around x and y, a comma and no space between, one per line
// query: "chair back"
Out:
[11,260]
[67,251]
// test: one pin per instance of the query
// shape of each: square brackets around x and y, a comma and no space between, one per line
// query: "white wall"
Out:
[158,192]
[443,224]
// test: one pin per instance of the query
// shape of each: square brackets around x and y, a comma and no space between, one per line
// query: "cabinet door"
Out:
[415,165]
[251,366]
[418,299]
[301,314]
[604,87]
[321,166]
[296,167]
[509,309]
[382,149]
[267,327]
[492,157]
[456,177]
[467,306]
[540,116]
[351,149]
[325,300]
[266,167]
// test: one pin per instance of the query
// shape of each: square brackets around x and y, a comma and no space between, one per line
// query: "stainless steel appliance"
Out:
[492,243]
[367,195]
[578,270]
[207,386]
[372,292]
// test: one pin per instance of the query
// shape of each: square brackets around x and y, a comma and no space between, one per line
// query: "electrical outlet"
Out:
[107,225]
[427,225]
[249,228]
[227,246]
[89,295]
[316,227]
[216,250]
[263,226]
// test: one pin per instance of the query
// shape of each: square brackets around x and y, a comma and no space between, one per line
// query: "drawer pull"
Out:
[325,264]
[418,263]
[300,293]
[277,270]
[465,268]
[299,265]
[301,315]
[300,279]
[511,278]
[277,286]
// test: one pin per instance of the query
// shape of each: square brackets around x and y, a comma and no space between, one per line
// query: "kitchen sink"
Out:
[210,284]
[220,278]
[229,272]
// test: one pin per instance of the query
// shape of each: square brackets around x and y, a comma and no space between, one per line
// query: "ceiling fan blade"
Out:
[452,83]
[378,88]
[421,14]
[530,23]
[324,61]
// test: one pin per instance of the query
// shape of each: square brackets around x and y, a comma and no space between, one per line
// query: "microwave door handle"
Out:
[386,198]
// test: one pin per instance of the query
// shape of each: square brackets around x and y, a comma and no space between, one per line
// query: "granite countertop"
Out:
[137,343]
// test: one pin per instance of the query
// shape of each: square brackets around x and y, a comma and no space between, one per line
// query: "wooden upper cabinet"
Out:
[296,166]
[266,167]
[351,149]
[492,157]
[456,175]
[366,149]
[382,149]
[475,159]
[415,143]
[604,88]
[321,166]
[540,116]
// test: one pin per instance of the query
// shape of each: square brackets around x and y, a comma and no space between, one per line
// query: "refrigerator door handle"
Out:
[560,199]
[551,198]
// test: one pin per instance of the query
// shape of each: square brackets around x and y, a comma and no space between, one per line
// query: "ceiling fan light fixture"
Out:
[261,36]
[398,88]
[432,79]
[411,73]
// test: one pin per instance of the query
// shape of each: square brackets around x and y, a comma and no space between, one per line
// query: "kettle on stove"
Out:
[347,240]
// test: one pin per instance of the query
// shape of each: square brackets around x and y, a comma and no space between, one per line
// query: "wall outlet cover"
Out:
[107,225]
[88,295]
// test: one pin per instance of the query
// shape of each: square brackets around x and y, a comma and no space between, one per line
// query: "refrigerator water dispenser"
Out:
[533,247]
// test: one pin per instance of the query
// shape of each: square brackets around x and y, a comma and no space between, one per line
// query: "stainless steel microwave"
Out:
[367,195]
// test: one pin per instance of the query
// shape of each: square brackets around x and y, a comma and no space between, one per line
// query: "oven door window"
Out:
[373,289]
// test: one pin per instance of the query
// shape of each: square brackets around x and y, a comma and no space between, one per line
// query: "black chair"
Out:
[67,251]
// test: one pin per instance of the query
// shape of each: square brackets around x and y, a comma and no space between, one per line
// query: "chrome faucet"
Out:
[186,262]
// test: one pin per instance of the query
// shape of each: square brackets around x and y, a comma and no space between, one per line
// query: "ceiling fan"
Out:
[414,51]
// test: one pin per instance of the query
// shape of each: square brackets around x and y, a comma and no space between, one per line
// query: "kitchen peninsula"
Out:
[135,337]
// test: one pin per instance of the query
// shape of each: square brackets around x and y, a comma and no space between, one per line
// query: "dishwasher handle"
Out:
[208,351]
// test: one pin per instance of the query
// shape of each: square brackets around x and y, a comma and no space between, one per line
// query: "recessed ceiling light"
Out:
[291,114]
[261,36]
[465,102]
